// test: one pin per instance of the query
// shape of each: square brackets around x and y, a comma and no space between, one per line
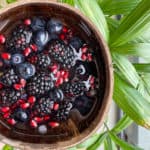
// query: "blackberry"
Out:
[44,106]
[38,23]
[40,84]
[9,96]
[75,88]
[64,110]
[9,77]
[20,39]
[76,42]
[42,61]
[62,53]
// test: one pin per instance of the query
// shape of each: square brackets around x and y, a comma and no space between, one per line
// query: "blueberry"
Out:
[26,70]
[57,95]
[42,129]
[38,24]
[41,38]
[76,42]
[17,59]
[54,37]
[21,115]
[84,104]
[54,26]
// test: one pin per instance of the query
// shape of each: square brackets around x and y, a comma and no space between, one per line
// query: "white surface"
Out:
[139,136]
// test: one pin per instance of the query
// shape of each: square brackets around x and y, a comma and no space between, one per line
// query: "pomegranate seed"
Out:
[89,57]
[62,36]
[54,68]
[33,123]
[66,80]
[83,57]
[34,47]
[56,106]
[46,118]
[62,72]
[23,82]
[84,49]
[27,51]
[53,124]
[14,106]
[66,75]
[6,115]
[65,30]
[2,39]
[6,56]
[27,22]
[31,99]
[5,109]
[38,119]
[57,75]
[59,81]
[11,121]
[1,85]
[17,86]
[20,101]
[25,105]
[92,79]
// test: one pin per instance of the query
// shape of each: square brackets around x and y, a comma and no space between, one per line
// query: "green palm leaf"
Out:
[115,7]
[131,102]
[133,25]
[98,18]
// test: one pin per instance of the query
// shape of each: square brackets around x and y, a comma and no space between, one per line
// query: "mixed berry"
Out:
[45,74]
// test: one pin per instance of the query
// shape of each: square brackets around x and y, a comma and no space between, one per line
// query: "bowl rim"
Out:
[109,74]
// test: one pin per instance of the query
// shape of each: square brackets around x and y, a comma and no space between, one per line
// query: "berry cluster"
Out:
[44,73]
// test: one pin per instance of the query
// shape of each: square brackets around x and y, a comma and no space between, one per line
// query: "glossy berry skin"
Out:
[53,124]
[2,39]
[54,26]
[26,70]
[41,38]
[33,124]
[38,23]
[42,129]
[17,59]
[27,22]
[56,95]
[76,42]
[6,56]
[27,51]
[21,115]
[80,70]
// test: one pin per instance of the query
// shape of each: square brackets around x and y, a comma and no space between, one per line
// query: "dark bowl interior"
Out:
[78,123]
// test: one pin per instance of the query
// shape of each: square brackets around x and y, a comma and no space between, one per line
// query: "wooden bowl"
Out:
[79,128]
